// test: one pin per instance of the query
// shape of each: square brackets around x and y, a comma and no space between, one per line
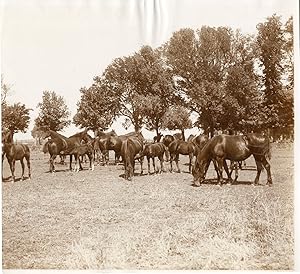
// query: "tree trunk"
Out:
[182,132]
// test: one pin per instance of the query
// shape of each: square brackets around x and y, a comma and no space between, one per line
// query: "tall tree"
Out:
[137,79]
[270,42]
[53,112]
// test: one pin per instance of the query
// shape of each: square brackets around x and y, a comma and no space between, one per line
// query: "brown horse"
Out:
[132,147]
[154,150]
[181,147]
[114,143]
[60,145]
[234,148]
[82,150]
[167,140]
[15,152]
[101,145]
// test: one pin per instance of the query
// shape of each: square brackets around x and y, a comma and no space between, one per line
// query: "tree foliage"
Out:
[177,117]
[53,112]
[15,117]
[271,44]
[97,107]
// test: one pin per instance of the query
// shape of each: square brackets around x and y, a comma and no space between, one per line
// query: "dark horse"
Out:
[152,151]
[101,145]
[82,150]
[167,140]
[157,138]
[132,147]
[181,147]
[15,152]
[114,142]
[60,145]
[234,148]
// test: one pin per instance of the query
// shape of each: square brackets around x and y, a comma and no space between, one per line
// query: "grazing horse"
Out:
[234,148]
[15,152]
[132,147]
[152,151]
[181,147]
[61,145]
[167,140]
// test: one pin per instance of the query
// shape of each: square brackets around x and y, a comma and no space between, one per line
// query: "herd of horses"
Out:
[133,147]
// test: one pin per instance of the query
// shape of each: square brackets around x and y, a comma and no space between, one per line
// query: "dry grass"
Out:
[97,220]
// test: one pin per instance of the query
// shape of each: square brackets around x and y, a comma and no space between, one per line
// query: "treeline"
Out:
[229,80]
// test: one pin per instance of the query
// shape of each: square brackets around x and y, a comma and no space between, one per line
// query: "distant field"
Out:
[97,220]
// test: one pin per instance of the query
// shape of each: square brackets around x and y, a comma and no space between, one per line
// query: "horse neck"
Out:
[54,134]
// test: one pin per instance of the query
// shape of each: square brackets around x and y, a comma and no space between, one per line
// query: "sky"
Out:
[61,45]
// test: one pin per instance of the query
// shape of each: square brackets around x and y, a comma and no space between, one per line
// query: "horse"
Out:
[199,140]
[114,143]
[179,136]
[15,152]
[81,150]
[61,145]
[167,140]
[181,147]
[234,148]
[152,151]
[101,145]
[131,149]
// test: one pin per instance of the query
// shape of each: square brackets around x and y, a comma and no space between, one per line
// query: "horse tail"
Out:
[268,149]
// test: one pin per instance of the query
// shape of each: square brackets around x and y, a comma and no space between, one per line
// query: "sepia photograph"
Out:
[149,135]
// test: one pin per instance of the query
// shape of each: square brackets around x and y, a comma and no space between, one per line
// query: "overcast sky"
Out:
[61,45]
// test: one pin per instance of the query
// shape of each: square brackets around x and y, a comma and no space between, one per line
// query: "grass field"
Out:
[97,220]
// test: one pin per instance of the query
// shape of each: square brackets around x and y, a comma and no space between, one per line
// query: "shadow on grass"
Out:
[9,179]
[215,182]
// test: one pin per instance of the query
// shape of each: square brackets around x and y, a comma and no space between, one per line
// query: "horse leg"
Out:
[162,168]
[227,171]
[80,166]
[28,166]
[176,161]
[141,161]
[70,162]
[191,155]
[91,158]
[23,169]
[12,169]
[220,163]
[148,161]
[267,166]
[171,162]
[259,166]
[52,167]
[153,163]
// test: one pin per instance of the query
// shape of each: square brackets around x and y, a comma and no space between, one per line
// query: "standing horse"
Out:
[167,140]
[114,143]
[181,147]
[63,146]
[101,145]
[234,148]
[131,147]
[82,150]
[152,151]
[15,152]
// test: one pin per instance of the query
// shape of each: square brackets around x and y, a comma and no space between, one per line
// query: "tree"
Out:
[97,108]
[15,117]
[270,43]
[177,117]
[5,88]
[208,64]
[53,112]
[138,80]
